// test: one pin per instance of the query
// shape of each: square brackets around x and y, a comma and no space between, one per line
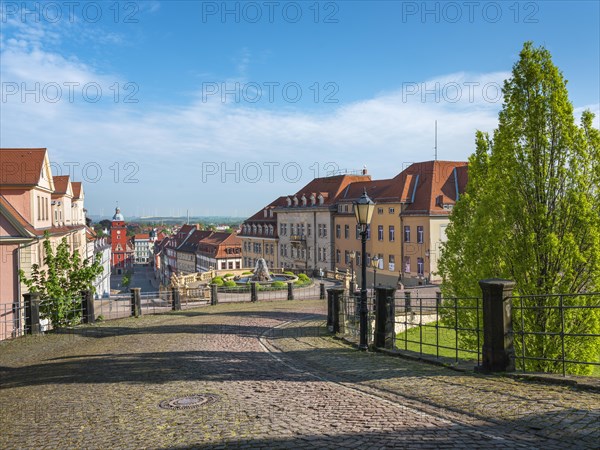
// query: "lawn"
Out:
[443,337]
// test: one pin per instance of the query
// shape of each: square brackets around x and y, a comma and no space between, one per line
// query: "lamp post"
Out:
[363,210]
[375,265]
[352,256]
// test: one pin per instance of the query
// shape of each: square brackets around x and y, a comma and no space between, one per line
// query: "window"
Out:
[420,266]
[392,233]
[337,256]
[391,210]
[319,259]
[346,231]
[407,264]
[357,231]
[39,208]
[338,231]
[368,231]
[392,259]
[324,230]
[368,259]
[308,229]
[292,229]
[230,265]
[380,233]
[346,256]
[420,234]
[379,210]
[406,233]
[358,256]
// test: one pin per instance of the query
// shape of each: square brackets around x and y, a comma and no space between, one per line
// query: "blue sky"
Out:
[173,106]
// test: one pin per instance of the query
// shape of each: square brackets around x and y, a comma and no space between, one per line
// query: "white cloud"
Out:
[169,145]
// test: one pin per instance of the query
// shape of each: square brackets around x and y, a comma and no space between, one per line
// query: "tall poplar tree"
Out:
[531,213]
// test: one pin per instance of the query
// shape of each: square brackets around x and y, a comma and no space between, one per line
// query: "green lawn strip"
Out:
[445,338]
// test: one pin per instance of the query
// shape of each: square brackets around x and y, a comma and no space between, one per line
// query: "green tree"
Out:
[61,282]
[531,214]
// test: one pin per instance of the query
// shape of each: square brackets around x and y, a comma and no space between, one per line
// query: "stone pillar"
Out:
[290,291]
[136,302]
[87,306]
[385,317]
[407,305]
[337,310]
[253,291]
[176,299]
[214,294]
[498,352]
[321,291]
[438,299]
[32,313]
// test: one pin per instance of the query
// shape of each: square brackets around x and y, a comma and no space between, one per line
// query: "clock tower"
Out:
[121,254]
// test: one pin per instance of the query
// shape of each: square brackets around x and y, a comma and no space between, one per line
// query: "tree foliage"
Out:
[531,213]
[60,282]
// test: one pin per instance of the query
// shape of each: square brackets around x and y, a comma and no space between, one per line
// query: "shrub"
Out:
[230,283]
[278,284]
[303,277]
[228,275]
[247,273]
[288,273]
[218,281]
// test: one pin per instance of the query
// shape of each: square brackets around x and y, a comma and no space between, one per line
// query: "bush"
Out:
[278,284]
[247,273]
[218,281]
[288,273]
[228,275]
[303,277]
[230,283]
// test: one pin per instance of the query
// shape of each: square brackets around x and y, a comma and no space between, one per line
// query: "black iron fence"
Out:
[556,333]
[498,331]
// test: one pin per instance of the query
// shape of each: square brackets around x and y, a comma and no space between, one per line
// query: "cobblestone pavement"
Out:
[280,381]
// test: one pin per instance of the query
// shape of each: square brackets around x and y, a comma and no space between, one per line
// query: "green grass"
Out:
[445,338]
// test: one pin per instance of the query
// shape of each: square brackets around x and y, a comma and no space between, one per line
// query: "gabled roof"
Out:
[141,236]
[218,243]
[62,186]
[77,187]
[190,245]
[25,167]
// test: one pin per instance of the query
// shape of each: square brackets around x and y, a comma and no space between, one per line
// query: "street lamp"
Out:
[352,256]
[375,265]
[363,209]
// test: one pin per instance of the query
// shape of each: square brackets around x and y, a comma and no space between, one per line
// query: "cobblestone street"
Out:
[277,381]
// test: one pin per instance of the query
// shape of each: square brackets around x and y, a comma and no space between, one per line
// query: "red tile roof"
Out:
[21,166]
[142,236]
[61,185]
[76,186]
[329,187]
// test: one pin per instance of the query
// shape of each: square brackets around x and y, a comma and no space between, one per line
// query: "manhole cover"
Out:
[189,402]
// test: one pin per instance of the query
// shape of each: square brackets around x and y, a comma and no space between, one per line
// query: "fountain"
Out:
[261,272]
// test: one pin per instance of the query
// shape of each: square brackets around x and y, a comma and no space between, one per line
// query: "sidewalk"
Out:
[271,378]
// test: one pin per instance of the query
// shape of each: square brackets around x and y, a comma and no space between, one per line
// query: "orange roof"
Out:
[330,187]
[76,186]
[21,166]
[142,236]
[61,184]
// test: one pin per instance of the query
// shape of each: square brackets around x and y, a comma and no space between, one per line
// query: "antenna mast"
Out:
[435,140]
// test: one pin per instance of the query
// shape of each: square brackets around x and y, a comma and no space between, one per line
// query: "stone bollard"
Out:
[253,291]
[176,306]
[87,307]
[136,302]
[337,310]
[32,313]
[321,291]
[385,317]
[329,310]
[214,294]
[498,352]
[290,290]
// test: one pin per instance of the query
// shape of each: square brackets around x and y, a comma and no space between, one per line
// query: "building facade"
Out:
[121,250]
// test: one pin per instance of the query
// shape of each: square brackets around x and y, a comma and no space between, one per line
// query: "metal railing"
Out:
[351,305]
[552,333]
[432,325]
[12,318]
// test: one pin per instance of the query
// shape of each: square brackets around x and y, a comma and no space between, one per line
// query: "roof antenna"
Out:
[435,140]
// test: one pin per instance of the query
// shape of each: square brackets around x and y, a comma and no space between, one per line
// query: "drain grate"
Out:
[189,401]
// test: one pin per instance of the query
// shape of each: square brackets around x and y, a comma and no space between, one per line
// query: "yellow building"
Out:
[408,225]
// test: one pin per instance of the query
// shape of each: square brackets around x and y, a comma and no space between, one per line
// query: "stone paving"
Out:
[281,382]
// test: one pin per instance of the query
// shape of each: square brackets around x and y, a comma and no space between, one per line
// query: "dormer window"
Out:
[321,199]
[295,201]
[265,212]
[289,201]
[312,200]
[303,200]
